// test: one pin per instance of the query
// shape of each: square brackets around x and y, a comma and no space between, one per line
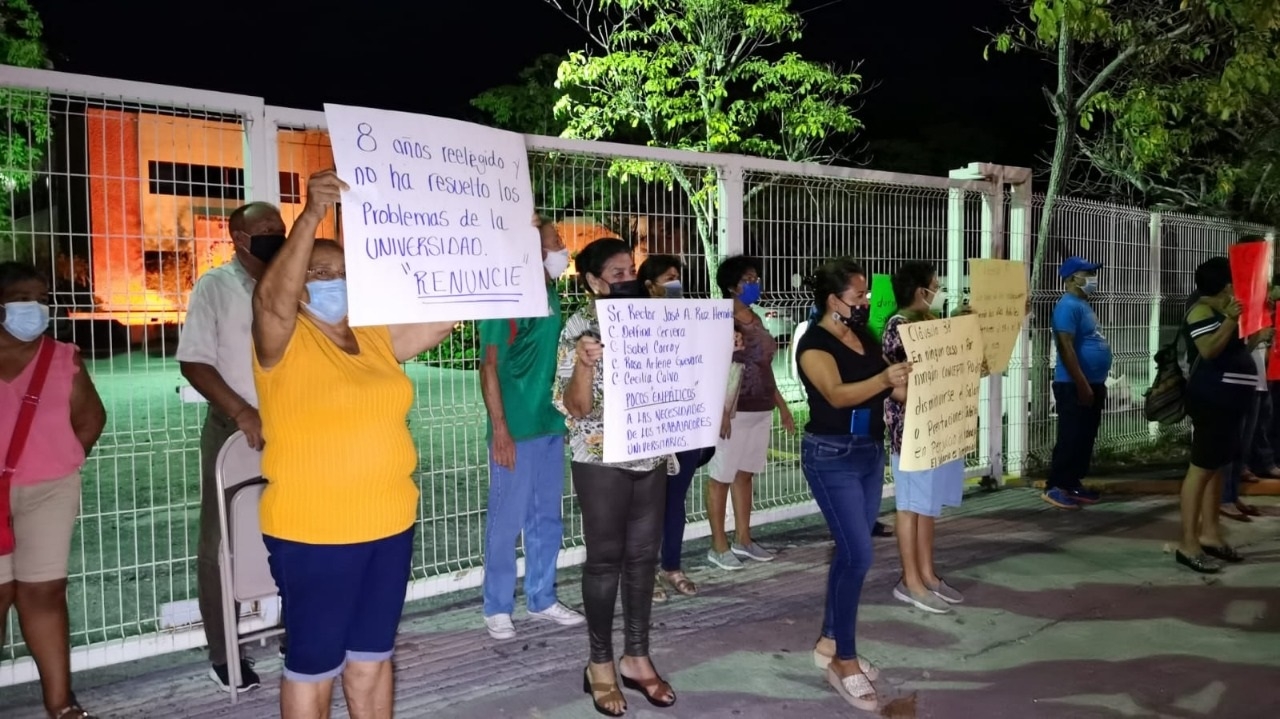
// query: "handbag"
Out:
[18,441]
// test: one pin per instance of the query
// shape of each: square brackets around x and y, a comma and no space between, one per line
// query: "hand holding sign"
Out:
[324,190]
[589,351]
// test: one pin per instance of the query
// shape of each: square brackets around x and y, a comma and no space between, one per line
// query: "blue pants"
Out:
[674,519]
[339,602]
[846,476]
[524,500]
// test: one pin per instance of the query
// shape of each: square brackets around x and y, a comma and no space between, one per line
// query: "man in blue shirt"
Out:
[1079,384]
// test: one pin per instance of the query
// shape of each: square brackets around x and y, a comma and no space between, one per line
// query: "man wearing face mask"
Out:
[1079,385]
[215,357]
[526,455]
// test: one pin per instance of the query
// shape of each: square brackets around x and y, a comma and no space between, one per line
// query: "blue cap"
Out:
[1072,265]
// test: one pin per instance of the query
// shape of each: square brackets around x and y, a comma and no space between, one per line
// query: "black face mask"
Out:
[631,289]
[265,247]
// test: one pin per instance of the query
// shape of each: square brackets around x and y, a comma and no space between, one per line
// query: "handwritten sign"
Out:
[883,304]
[998,295]
[942,393]
[436,225]
[665,367]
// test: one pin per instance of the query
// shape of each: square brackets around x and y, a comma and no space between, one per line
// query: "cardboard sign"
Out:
[942,393]
[883,304]
[998,295]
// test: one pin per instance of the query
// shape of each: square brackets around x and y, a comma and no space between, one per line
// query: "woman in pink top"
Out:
[40,476]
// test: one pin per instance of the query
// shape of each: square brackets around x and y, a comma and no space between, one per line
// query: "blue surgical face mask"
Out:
[672,289]
[26,320]
[1090,285]
[750,293]
[328,300]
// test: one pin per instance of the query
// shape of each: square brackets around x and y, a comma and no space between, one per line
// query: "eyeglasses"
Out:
[325,274]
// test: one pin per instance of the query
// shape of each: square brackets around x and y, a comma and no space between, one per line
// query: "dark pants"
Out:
[846,476]
[1077,431]
[1241,457]
[1263,458]
[621,527]
[217,428]
[674,519]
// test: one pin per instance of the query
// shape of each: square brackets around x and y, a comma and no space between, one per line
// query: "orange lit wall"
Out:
[115,207]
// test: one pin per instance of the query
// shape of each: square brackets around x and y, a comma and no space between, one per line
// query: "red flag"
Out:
[1249,277]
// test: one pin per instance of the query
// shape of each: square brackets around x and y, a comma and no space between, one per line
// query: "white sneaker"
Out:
[560,614]
[500,626]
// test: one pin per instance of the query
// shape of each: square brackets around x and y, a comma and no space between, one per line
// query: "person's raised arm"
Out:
[1210,335]
[820,367]
[275,299]
[409,341]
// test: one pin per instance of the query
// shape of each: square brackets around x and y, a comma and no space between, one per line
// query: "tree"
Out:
[1151,74]
[529,106]
[25,126]
[707,76]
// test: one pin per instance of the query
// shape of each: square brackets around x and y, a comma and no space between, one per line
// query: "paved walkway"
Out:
[1069,615]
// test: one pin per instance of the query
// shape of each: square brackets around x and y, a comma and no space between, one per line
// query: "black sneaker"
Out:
[248,677]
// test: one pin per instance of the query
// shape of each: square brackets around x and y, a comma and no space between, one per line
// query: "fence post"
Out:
[260,161]
[1016,402]
[730,218]
[991,441]
[1153,329]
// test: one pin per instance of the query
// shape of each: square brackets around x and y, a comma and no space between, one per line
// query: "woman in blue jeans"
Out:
[847,381]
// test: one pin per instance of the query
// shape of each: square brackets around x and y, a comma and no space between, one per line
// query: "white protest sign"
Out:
[942,392]
[438,222]
[666,363]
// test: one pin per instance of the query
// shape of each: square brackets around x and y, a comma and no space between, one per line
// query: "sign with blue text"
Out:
[437,224]
[666,364]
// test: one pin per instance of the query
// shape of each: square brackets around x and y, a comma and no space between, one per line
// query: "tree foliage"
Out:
[702,75]
[1151,93]
[25,127]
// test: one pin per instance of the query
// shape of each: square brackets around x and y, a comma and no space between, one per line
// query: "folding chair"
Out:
[242,555]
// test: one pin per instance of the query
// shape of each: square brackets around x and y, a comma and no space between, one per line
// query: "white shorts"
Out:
[746,450]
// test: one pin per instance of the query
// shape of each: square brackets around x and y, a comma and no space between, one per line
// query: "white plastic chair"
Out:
[242,555]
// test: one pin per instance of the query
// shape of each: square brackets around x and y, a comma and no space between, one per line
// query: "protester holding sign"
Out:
[847,380]
[920,495]
[339,508]
[743,449]
[1079,385]
[1221,386]
[526,455]
[661,277]
[622,504]
[50,419]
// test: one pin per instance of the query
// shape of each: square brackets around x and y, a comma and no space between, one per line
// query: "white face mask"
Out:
[556,263]
[938,301]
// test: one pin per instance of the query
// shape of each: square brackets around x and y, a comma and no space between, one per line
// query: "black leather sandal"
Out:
[1199,563]
[1226,553]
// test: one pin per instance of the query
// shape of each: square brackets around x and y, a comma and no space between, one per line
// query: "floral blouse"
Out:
[586,435]
[895,414]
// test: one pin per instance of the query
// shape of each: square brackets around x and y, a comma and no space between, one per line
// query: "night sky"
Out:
[937,104]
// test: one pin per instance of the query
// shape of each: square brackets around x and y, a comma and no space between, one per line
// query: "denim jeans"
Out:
[1239,463]
[1077,432]
[674,519]
[846,476]
[526,499]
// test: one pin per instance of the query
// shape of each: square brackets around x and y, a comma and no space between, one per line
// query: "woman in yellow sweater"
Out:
[338,512]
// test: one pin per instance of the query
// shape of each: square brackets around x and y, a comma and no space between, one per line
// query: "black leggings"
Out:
[622,527]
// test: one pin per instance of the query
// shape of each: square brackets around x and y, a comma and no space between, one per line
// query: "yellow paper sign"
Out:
[998,295]
[942,393]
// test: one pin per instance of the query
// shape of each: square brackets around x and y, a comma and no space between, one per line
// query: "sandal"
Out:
[1248,509]
[650,688]
[681,583]
[855,689]
[822,661]
[1238,516]
[1199,563]
[607,690]
[69,713]
[1226,553]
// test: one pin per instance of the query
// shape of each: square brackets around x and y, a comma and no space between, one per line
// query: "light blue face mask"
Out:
[26,320]
[328,300]
[672,289]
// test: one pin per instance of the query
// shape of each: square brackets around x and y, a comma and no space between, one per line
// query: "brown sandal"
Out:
[651,689]
[68,713]
[609,693]
[681,583]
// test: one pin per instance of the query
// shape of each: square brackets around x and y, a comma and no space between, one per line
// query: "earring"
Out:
[835,317]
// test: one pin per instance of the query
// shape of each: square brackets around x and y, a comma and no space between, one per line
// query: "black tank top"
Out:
[853,367]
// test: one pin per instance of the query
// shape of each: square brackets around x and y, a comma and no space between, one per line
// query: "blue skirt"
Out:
[927,491]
